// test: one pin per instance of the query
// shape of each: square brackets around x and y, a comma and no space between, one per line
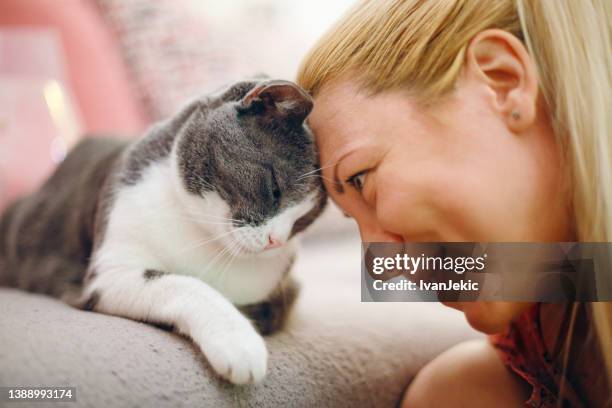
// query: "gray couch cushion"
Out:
[336,351]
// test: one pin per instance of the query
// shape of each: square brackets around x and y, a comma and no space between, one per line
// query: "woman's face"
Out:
[450,172]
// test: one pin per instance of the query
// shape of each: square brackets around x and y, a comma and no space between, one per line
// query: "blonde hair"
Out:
[419,46]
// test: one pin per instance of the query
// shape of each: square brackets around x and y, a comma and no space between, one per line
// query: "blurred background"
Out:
[73,68]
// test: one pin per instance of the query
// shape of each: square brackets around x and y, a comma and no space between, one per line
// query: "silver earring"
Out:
[516,115]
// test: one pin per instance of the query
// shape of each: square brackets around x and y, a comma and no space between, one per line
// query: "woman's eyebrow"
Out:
[338,186]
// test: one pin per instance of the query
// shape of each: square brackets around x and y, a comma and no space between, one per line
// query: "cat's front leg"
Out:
[227,339]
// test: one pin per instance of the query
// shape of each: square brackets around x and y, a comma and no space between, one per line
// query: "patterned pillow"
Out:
[177,48]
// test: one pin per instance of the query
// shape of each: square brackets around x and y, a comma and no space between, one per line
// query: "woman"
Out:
[474,120]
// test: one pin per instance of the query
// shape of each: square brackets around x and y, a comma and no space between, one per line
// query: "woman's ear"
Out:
[501,62]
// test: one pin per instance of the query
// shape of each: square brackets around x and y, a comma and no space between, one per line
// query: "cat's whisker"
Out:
[319,176]
[196,213]
[314,171]
[213,217]
[195,216]
[202,243]
[233,255]
[234,251]
[204,182]
[216,259]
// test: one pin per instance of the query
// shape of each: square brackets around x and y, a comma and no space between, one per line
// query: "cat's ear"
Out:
[279,99]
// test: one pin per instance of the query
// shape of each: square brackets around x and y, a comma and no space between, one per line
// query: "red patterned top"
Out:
[526,352]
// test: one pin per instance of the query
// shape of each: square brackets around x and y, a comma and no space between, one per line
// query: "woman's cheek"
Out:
[393,206]
[390,218]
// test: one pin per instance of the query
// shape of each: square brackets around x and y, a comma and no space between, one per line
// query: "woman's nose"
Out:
[374,233]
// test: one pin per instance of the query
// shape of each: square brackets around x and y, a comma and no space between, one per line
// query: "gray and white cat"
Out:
[183,227]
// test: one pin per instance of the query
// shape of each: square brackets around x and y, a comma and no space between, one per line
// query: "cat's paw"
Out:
[239,356]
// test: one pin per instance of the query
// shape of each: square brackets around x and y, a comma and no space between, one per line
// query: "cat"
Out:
[182,227]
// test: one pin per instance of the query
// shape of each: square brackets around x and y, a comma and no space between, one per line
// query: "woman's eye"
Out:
[357,180]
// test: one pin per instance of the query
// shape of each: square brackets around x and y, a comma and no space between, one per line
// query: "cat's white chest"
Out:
[149,229]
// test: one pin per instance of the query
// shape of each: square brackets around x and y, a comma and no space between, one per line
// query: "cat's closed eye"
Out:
[276,193]
[273,189]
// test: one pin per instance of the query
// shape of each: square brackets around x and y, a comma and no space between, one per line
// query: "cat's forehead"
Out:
[258,122]
[250,135]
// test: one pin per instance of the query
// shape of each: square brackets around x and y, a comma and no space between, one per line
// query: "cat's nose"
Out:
[273,242]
